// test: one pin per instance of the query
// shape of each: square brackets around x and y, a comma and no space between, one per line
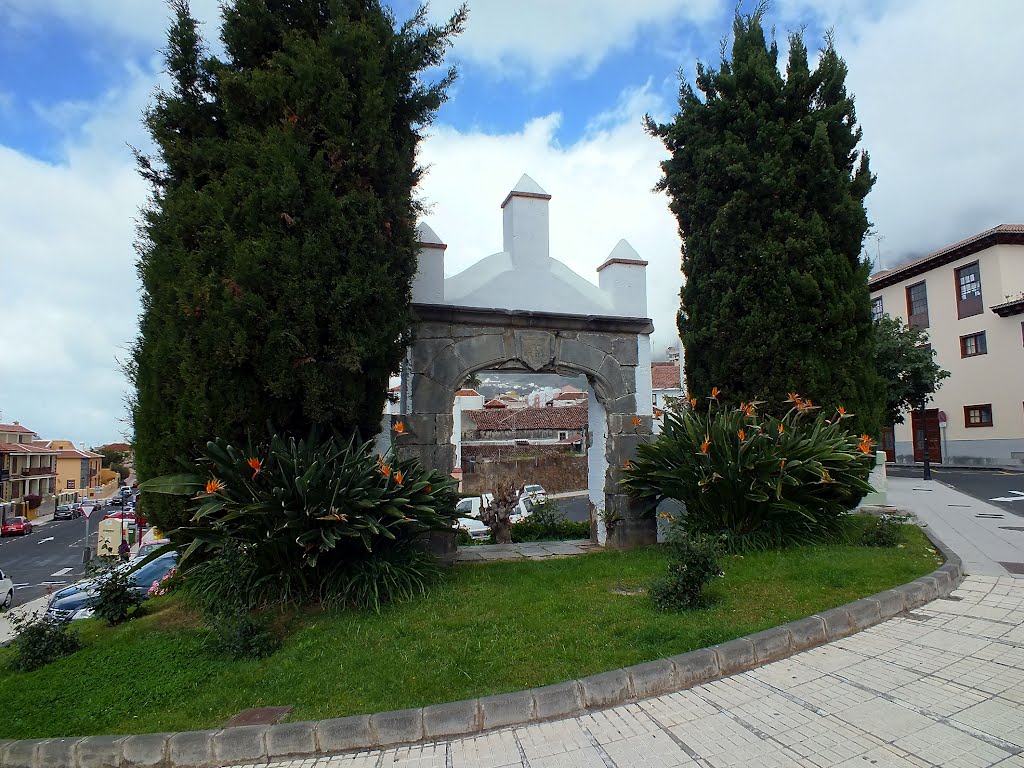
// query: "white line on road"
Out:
[62,571]
[1018,497]
[43,541]
[52,583]
[16,586]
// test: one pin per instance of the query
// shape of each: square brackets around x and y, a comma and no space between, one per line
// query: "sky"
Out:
[557,90]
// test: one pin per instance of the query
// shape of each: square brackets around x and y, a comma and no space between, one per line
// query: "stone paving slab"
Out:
[533,550]
[942,685]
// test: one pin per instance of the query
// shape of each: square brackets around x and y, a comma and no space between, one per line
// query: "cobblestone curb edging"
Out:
[262,744]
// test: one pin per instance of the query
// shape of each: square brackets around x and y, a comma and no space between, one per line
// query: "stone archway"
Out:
[613,353]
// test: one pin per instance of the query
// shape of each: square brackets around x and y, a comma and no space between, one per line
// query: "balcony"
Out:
[37,471]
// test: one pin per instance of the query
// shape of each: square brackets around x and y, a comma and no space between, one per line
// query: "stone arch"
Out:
[612,353]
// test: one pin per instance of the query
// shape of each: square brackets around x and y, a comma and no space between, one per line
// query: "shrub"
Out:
[242,634]
[548,523]
[692,564]
[886,531]
[290,520]
[115,601]
[760,482]
[39,641]
[33,500]
[396,572]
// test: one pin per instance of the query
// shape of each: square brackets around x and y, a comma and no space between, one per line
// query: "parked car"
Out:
[523,509]
[74,602]
[64,512]
[147,549]
[534,492]
[126,514]
[76,507]
[16,526]
[7,590]
[475,528]
[472,506]
[116,501]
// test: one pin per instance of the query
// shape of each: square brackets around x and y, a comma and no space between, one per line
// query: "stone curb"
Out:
[255,745]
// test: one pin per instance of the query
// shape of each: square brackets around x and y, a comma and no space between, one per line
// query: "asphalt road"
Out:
[998,487]
[46,559]
[576,508]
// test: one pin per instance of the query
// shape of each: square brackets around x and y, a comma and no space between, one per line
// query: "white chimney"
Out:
[526,227]
[624,278]
[428,283]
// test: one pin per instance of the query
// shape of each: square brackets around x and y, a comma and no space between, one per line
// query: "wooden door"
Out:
[934,436]
[889,443]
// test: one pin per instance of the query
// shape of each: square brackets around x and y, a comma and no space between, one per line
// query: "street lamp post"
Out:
[924,429]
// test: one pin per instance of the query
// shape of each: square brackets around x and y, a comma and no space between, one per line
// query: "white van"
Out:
[474,505]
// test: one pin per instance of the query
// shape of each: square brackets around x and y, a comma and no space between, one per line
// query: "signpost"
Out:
[87,510]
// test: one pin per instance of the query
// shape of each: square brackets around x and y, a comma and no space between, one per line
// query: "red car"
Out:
[126,514]
[16,526]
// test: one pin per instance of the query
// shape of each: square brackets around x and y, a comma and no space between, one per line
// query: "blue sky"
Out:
[556,90]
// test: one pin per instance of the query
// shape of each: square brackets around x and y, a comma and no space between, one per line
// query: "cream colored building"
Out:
[26,469]
[970,298]
[78,471]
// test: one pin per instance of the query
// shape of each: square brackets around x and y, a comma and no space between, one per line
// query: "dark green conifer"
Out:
[768,187]
[278,250]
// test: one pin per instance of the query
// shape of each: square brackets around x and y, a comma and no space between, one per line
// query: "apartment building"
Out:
[78,470]
[26,468]
[970,298]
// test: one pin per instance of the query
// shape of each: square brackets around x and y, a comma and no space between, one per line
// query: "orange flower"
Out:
[781,430]
[399,477]
[658,413]
[627,464]
[714,393]
[808,403]
[399,428]
[636,421]
[706,444]
[742,434]
[385,470]
[256,465]
[214,485]
[428,489]
[693,402]
[841,411]
[782,464]
[749,410]
[793,398]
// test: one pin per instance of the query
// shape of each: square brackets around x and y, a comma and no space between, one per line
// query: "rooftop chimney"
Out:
[526,229]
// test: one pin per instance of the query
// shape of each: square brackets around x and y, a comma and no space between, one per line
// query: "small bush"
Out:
[41,640]
[388,575]
[116,601]
[692,564]
[887,531]
[241,634]
[548,523]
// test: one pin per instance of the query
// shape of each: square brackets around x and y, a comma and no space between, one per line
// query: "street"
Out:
[575,508]
[1001,488]
[48,558]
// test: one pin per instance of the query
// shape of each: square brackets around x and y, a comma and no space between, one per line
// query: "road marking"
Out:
[43,541]
[16,586]
[1018,497]
[62,571]
[52,583]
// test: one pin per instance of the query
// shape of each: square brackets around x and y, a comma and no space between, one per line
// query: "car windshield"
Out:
[153,571]
[16,520]
[534,489]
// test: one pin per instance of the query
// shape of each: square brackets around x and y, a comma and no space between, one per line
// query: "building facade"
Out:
[29,469]
[78,471]
[969,297]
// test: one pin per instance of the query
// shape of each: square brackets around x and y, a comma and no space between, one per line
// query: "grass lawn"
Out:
[485,629]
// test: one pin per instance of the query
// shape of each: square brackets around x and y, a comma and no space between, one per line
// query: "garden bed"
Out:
[486,629]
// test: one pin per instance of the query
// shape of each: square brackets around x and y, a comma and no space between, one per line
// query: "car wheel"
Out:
[9,600]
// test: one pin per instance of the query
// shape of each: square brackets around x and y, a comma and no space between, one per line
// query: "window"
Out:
[978,415]
[876,308]
[968,291]
[917,306]
[654,398]
[71,485]
[974,344]
[563,435]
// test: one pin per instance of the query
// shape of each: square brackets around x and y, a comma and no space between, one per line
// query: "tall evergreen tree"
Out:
[768,187]
[278,250]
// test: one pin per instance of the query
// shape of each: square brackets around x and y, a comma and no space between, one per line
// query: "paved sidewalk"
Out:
[983,535]
[534,550]
[941,686]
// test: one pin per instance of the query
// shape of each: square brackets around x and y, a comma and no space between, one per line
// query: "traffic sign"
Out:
[87,510]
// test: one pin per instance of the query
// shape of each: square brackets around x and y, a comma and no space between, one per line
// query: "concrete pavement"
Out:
[989,539]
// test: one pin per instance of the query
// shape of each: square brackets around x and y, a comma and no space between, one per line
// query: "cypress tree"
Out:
[768,188]
[278,248]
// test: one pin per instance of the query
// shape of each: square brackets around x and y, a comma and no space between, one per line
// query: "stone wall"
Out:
[557,474]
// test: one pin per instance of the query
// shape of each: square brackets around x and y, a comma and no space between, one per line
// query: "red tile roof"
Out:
[1004,233]
[467,393]
[122,447]
[15,428]
[493,404]
[665,376]
[26,448]
[577,395]
[571,417]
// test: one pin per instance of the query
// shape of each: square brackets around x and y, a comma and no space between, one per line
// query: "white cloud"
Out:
[601,190]
[536,38]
